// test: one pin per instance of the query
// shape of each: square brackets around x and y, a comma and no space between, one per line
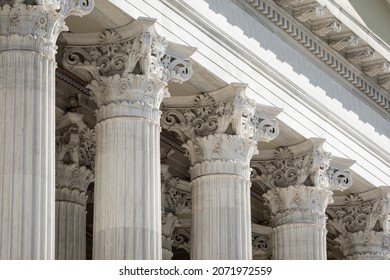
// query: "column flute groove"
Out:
[128,91]
[220,131]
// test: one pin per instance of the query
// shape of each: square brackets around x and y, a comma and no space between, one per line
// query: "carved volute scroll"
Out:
[302,164]
[261,242]
[225,111]
[35,24]
[360,223]
[75,154]
[129,65]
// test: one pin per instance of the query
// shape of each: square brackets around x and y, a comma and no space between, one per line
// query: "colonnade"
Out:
[43,211]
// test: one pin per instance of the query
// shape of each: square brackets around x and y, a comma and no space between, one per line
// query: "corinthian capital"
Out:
[360,223]
[131,63]
[304,163]
[21,21]
[225,111]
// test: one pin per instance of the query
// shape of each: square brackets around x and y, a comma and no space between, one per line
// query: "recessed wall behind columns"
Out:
[316,102]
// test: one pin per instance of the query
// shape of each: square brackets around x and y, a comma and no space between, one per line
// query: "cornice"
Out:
[356,64]
[72,80]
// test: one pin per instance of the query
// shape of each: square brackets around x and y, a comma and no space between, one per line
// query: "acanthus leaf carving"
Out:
[226,111]
[134,69]
[42,19]
[176,201]
[361,226]
[305,163]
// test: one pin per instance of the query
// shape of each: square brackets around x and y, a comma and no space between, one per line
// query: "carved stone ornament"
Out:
[361,225]
[181,239]
[35,24]
[261,246]
[298,203]
[131,64]
[72,182]
[169,223]
[287,3]
[343,42]
[304,13]
[361,55]
[324,27]
[75,142]
[227,111]
[305,163]
[176,201]
[377,68]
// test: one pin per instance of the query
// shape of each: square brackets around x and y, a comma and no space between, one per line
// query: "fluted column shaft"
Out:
[127,216]
[298,222]
[26,154]
[28,33]
[221,217]
[70,224]
[70,210]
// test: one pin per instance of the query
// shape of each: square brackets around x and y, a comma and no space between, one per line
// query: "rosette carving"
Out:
[41,18]
[298,199]
[220,147]
[361,224]
[305,163]
[359,215]
[226,111]
[131,64]
[261,246]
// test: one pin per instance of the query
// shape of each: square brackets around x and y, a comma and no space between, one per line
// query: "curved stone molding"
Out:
[361,224]
[305,163]
[226,110]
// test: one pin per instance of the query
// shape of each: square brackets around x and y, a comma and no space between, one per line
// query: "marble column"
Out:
[298,222]
[130,68]
[75,153]
[28,34]
[360,224]
[220,130]
[298,181]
